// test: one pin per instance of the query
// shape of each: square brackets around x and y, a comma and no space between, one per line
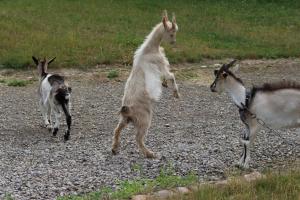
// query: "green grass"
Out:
[128,188]
[85,33]
[276,186]
[15,82]
[113,73]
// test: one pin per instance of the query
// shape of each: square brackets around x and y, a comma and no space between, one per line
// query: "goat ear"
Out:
[235,68]
[50,61]
[35,60]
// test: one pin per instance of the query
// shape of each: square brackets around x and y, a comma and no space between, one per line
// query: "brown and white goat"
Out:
[275,105]
[54,96]
[144,85]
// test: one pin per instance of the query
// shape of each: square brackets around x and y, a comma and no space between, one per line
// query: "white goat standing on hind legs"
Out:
[54,96]
[275,105]
[143,86]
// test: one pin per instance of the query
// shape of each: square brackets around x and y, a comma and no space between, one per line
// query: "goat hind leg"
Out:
[57,122]
[45,110]
[141,133]
[117,132]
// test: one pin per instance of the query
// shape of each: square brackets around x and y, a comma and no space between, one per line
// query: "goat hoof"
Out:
[54,132]
[49,127]
[114,151]
[176,95]
[150,155]
[164,84]
[67,136]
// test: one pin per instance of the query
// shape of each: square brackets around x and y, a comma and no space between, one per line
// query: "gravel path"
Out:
[200,132]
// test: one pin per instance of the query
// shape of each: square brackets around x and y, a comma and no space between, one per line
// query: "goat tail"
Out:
[125,110]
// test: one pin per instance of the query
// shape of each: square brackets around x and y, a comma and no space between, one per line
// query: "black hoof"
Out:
[67,136]
[55,130]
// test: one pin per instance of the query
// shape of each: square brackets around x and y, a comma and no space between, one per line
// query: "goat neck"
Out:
[237,91]
[154,39]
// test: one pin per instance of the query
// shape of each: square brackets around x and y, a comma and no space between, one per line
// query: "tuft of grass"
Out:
[8,197]
[15,82]
[276,186]
[126,189]
[114,73]
[87,33]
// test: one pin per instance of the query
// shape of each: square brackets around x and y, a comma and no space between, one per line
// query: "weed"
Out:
[113,74]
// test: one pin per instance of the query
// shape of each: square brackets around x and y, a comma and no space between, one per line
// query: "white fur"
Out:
[149,66]
[45,89]
[275,109]
[278,109]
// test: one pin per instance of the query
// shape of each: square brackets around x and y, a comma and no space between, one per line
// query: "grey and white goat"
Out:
[54,95]
[275,105]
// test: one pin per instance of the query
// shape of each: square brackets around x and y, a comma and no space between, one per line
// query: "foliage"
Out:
[113,74]
[15,82]
[85,33]
[127,188]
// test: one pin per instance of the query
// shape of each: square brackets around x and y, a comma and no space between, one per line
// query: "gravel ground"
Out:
[199,132]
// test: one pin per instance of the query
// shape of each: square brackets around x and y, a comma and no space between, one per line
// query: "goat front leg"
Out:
[248,138]
[170,76]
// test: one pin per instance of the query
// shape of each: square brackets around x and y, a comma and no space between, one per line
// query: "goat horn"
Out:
[165,14]
[230,64]
[173,18]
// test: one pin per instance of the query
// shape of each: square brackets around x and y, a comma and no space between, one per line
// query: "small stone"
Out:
[223,182]
[163,194]
[253,176]
[183,190]
[139,197]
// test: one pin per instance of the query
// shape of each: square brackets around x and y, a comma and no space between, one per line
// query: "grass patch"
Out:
[113,73]
[15,82]
[86,33]
[128,188]
[8,197]
[276,186]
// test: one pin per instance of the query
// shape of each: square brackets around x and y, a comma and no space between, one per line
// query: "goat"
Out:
[143,87]
[275,105]
[55,95]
